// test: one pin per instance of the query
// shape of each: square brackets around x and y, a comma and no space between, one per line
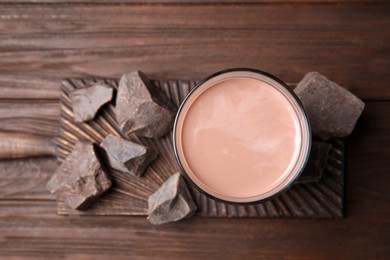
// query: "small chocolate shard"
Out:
[333,111]
[171,202]
[80,180]
[126,156]
[142,108]
[317,163]
[87,101]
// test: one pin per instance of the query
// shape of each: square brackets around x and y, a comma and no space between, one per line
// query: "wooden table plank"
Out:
[11,109]
[350,43]
[22,145]
[27,87]
[30,228]
[40,126]
[26,179]
[35,116]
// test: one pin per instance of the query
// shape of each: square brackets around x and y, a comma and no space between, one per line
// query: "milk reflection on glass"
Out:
[241,136]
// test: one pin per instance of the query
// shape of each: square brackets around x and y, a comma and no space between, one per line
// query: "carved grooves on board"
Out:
[323,199]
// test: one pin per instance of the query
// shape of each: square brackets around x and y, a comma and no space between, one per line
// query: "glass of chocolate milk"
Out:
[241,136]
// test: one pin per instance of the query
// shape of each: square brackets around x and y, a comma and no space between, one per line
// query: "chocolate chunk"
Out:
[87,101]
[142,108]
[332,110]
[316,165]
[171,202]
[80,180]
[127,156]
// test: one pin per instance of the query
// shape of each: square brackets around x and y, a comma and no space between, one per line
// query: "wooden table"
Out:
[43,41]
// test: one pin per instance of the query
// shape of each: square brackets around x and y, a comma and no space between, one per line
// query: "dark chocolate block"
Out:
[332,110]
[87,101]
[142,108]
[316,165]
[171,202]
[80,180]
[127,156]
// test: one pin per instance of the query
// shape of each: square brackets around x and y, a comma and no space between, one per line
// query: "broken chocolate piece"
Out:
[80,180]
[316,165]
[142,108]
[126,156]
[171,202]
[332,110]
[87,101]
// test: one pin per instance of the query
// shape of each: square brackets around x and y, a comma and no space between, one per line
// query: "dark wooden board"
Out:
[129,195]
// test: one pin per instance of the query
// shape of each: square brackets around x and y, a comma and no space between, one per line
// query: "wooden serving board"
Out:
[129,194]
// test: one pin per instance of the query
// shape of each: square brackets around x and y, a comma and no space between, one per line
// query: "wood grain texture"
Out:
[368,164]
[10,109]
[32,229]
[24,87]
[29,115]
[129,194]
[26,178]
[49,42]
[21,145]
[39,126]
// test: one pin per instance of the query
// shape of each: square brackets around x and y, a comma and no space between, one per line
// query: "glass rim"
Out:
[291,177]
